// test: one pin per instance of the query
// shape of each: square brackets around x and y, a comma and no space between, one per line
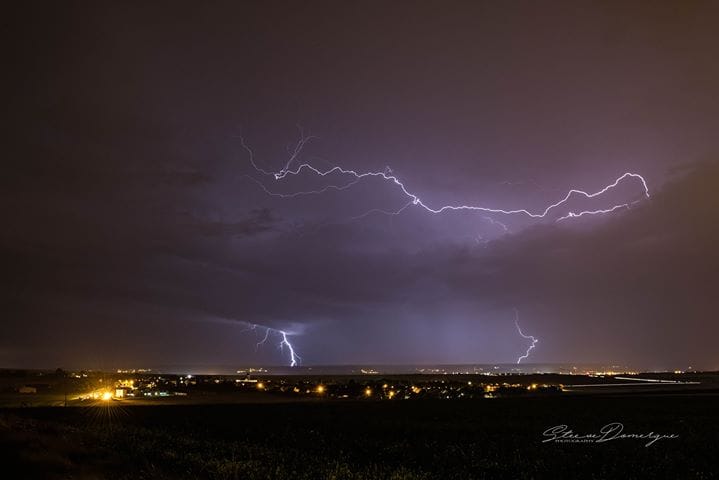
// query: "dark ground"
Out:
[493,438]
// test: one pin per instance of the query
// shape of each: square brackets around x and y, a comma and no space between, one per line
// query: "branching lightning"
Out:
[294,358]
[341,179]
[388,175]
[284,342]
[534,340]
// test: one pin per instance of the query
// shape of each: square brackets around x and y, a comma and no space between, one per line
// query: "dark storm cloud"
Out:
[261,220]
[635,285]
[639,285]
[130,231]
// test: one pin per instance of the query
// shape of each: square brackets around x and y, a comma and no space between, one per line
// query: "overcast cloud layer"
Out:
[132,234]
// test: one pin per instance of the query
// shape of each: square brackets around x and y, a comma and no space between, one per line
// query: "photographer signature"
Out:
[610,431]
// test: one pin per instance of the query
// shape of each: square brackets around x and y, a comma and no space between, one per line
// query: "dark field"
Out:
[492,438]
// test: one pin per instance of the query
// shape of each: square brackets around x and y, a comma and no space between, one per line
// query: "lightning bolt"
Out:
[264,340]
[284,342]
[596,212]
[352,177]
[388,175]
[495,222]
[294,358]
[534,340]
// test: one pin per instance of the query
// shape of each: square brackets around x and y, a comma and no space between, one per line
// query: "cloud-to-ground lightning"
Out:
[284,341]
[388,175]
[294,358]
[528,337]
[339,178]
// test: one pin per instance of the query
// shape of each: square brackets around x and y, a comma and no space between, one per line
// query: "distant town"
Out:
[138,386]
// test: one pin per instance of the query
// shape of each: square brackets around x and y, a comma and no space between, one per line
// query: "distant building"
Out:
[122,392]
[27,389]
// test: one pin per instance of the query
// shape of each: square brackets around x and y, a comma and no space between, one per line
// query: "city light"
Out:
[106,396]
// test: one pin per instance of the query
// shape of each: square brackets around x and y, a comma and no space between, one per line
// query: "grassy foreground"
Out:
[499,438]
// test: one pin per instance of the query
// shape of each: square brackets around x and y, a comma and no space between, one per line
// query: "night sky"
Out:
[134,234]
